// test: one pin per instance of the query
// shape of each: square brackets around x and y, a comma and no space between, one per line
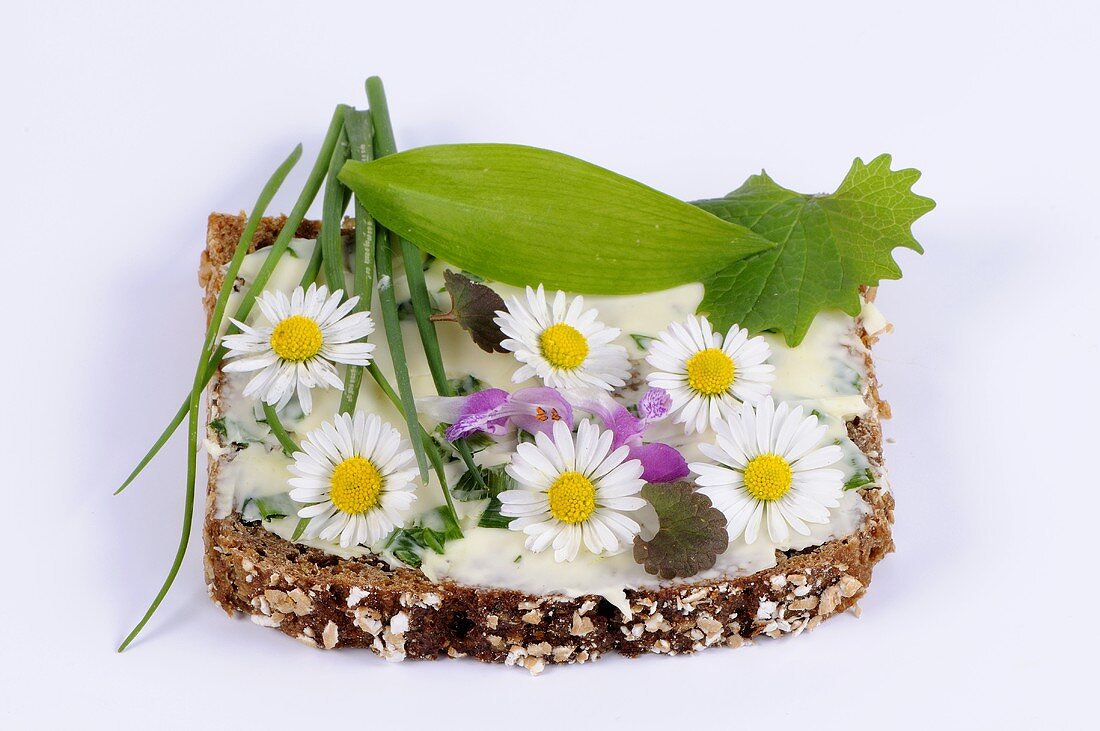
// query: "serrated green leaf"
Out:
[826,247]
[692,531]
[522,215]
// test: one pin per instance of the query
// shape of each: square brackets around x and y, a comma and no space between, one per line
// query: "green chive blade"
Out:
[161,440]
[188,514]
[206,369]
[380,114]
[280,432]
[332,211]
[463,450]
[414,273]
[357,124]
[313,267]
[270,188]
[392,323]
[294,219]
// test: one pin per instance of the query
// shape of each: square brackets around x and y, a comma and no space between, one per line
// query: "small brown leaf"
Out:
[473,306]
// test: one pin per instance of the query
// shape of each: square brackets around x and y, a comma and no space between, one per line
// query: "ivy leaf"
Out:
[523,215]
[826,247]
[473,306]
[691,536]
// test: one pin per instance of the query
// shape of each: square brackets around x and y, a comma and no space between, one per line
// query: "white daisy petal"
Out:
[752,527]
[822,457]
[539,541]
[254,363]
[777,527]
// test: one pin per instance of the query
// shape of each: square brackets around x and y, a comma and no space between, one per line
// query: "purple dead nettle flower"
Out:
[531,409]
[655,404]
[660,462]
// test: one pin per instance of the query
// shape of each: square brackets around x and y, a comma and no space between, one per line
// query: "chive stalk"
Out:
[282,241]
[383,264]
[192,404]
[273,184]
[330,240]
[425,439]
[313,268]
[277,428]
[357,124]
[414,272]
[206,368]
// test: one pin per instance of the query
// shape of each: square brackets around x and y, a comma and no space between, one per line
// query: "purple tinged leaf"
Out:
[474,307]
[691,536]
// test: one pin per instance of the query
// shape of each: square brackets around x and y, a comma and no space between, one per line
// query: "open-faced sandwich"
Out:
[518,407]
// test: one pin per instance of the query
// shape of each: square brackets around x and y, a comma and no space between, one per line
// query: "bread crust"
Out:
[328,602]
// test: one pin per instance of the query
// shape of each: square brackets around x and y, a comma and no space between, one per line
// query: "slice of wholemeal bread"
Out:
[329,602]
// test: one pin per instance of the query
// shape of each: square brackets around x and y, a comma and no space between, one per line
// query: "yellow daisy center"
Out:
[563,346]
[710,372]
[296,338]
[572,497]
[356,486]
[768,477]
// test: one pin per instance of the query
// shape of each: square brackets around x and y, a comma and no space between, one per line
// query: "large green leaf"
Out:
[522,215]
[827,246]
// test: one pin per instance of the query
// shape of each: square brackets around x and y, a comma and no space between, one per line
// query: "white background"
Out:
[124,125]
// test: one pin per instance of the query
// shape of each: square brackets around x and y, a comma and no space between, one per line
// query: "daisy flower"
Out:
[771,469]
[708,376]
[355,479]
[307,333]
[574,492]
[562,344]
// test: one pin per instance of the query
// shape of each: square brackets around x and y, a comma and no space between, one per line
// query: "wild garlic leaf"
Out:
[692,531]
[826,247]
[522,215]
[474,307]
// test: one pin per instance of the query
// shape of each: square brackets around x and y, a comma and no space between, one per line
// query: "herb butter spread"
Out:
[825,373]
